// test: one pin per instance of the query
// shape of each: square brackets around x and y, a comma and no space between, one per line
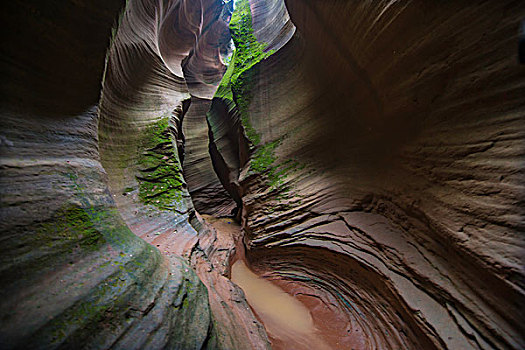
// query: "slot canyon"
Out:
[262,174]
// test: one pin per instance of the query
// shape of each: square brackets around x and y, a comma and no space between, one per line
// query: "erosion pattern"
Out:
[73,273]
[373,152]
[386,167]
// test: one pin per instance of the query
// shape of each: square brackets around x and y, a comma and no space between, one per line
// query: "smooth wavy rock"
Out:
[73,273]
[389,172]
[154,144]
[145,84]
[374,154]
[208,194]
[271,23]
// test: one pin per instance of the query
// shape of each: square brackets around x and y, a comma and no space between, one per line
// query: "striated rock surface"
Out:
[154,145]
[203,70]
[373,152]
[73,273]
[208,194]
[271,23]
[386,167]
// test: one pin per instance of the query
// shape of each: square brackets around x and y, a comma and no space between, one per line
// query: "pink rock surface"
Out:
[385,193]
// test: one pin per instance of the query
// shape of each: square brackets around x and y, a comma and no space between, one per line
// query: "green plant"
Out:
[160,179]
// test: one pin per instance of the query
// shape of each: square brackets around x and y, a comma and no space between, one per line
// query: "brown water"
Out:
[285,318]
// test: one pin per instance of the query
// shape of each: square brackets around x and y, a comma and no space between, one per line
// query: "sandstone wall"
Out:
[73,274]
[390,167]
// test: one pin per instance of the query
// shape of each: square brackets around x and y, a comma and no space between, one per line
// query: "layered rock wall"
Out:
[374,151]
[390,140]
[73,274]
[154,142]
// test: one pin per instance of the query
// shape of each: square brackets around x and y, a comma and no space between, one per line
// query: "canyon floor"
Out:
[258,174]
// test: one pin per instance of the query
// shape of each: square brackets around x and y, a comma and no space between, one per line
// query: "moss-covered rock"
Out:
[235,84]
[160,178]
[71,226]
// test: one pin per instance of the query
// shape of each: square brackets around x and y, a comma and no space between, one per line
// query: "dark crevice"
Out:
[177,117]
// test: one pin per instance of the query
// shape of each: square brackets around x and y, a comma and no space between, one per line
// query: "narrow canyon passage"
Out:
[262,174]
[289,323]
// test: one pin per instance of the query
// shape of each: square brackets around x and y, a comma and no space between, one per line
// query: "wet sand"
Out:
[285,318]
[295,315]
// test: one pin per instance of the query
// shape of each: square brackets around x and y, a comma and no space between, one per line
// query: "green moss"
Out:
[106,300]
[264,161]
[264,157]
[71,226]
[248,49]
[248,52]
[160,179]
[155,133]
[279,173]
[224,90]
[237,85]
[84,224]
[237,81]
[185,302]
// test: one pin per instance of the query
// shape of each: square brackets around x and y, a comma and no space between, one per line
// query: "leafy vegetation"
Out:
[264,159]
[248,50]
